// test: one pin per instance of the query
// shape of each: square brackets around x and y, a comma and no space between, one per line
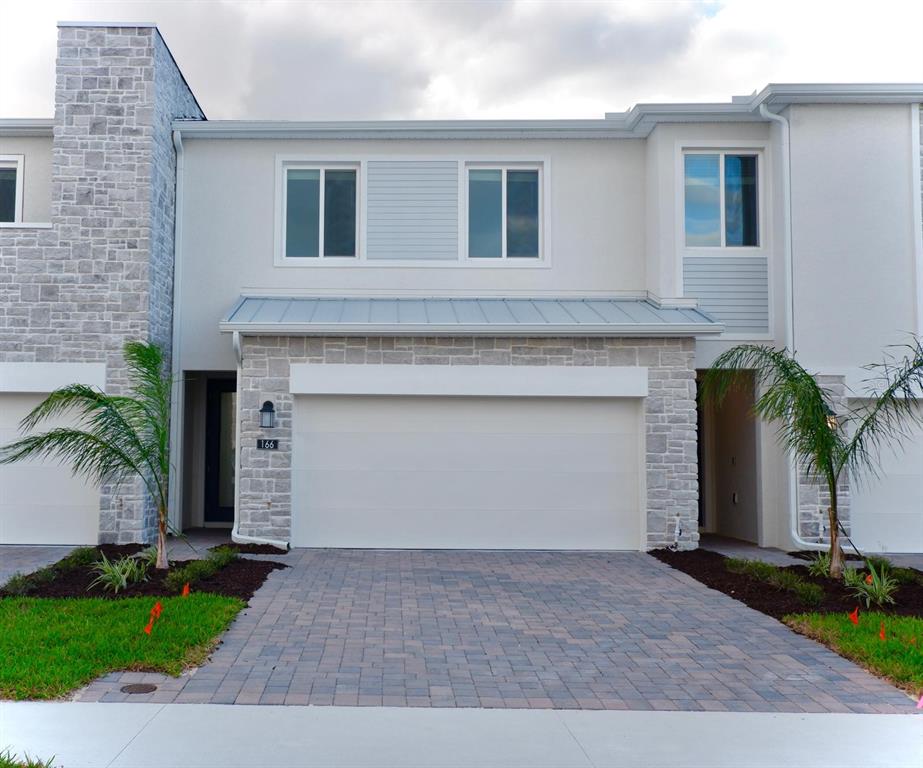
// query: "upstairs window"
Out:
[503,213]
[320,212]
[721,200]
[10,189]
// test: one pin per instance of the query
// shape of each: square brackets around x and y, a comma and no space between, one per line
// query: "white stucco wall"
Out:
[36,170]
[853,230]
[594,242]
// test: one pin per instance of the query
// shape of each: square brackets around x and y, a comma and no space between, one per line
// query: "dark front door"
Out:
[220,446]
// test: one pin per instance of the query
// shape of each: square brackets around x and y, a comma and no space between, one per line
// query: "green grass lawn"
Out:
[899,657]
[10,760]
[49,647]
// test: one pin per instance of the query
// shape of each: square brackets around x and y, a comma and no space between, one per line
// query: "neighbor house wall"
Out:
[102,274]
[265,490]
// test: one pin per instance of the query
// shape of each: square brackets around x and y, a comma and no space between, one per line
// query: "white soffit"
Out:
[468,381]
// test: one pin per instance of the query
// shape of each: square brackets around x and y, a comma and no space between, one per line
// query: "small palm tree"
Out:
[824,445]
[115,437]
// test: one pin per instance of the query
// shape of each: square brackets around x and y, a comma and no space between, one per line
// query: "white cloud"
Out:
[325,60]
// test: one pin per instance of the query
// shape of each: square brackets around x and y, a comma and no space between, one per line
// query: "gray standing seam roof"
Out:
[331,316]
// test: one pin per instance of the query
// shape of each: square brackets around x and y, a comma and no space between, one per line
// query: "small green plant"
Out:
[9,760]
[877,587]
[755,568]
[810,594]
[197,570]
[782,579]
[852,577]
[116,575]
[147,556]
[820,565]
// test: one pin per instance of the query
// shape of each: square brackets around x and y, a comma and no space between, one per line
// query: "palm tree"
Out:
[824,445]
[115,437]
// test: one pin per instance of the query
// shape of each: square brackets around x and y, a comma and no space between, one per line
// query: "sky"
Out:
[390,59]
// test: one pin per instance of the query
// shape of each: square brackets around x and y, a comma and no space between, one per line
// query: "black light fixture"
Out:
[832,423]
[267,415]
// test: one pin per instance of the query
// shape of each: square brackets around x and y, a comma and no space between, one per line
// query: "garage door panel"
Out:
[478,529]
[465,451]
[887,511]
[447,490]
[41,502]
[474,415]
[550,473]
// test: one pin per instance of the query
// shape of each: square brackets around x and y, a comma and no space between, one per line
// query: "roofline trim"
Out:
[37,126]
[637,122]
[471,329]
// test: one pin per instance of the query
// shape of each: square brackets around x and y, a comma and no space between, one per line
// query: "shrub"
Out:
[755,568]
[809,594]
[852,577]
[783,579]
[197,570]
[820,565]
[17,585]
[116,575]
[82,557]
[877,587]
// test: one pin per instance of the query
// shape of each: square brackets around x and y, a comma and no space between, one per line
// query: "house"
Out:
[455,334]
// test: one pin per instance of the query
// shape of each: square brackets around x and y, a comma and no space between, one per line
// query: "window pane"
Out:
[485,203]
[522,214]
[302,215]
[340,213]
[7,194]
[740,200]
[703,200]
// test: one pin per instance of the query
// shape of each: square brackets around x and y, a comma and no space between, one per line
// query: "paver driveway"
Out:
[510,629]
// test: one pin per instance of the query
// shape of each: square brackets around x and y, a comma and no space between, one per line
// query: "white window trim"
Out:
[18,162]
[281,259]
[361,160]
[504,168]
[722,150]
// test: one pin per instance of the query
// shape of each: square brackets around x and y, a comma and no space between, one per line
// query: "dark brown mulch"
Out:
[709,568]
[241,578]
[254,549]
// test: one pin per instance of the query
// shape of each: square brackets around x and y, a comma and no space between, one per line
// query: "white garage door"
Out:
[41,502]
[467,472]
[887,512]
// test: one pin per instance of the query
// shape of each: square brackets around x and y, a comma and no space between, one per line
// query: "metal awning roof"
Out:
[343,316]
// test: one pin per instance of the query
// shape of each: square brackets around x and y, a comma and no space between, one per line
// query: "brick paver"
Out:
[510,629]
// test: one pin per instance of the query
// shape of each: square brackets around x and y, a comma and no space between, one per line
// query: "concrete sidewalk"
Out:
[220,736]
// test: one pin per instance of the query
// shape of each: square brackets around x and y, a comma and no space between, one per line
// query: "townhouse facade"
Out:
[455,334]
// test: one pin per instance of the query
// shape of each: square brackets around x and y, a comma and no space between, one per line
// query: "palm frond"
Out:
[894,408]
[791,398]
[89,455]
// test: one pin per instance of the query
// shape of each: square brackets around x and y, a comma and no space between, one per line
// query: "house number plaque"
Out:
[263,444]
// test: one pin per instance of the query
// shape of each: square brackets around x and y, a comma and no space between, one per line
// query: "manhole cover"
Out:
[139,688]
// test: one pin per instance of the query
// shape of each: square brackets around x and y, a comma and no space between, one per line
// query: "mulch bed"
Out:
[710,569]
[253,549]
[240,579]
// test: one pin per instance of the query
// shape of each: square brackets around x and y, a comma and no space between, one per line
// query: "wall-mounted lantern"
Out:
[267,415]
[832,422]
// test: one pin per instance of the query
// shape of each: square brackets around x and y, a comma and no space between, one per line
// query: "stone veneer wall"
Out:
[670,411]
[814,498]
[104,272]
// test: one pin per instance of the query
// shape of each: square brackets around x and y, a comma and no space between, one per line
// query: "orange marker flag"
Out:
[868,579]
[854,616]
[186,589]
[881,632]
[156,610]
[149,626]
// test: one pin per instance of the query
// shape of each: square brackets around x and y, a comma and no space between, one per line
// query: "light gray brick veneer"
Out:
[104,272]
[813,498]
[670,415]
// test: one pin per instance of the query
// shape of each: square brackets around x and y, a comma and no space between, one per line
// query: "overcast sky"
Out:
[478,59]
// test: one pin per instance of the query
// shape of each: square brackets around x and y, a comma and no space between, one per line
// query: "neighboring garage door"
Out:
[887,511]
[467,472]
[41,502]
